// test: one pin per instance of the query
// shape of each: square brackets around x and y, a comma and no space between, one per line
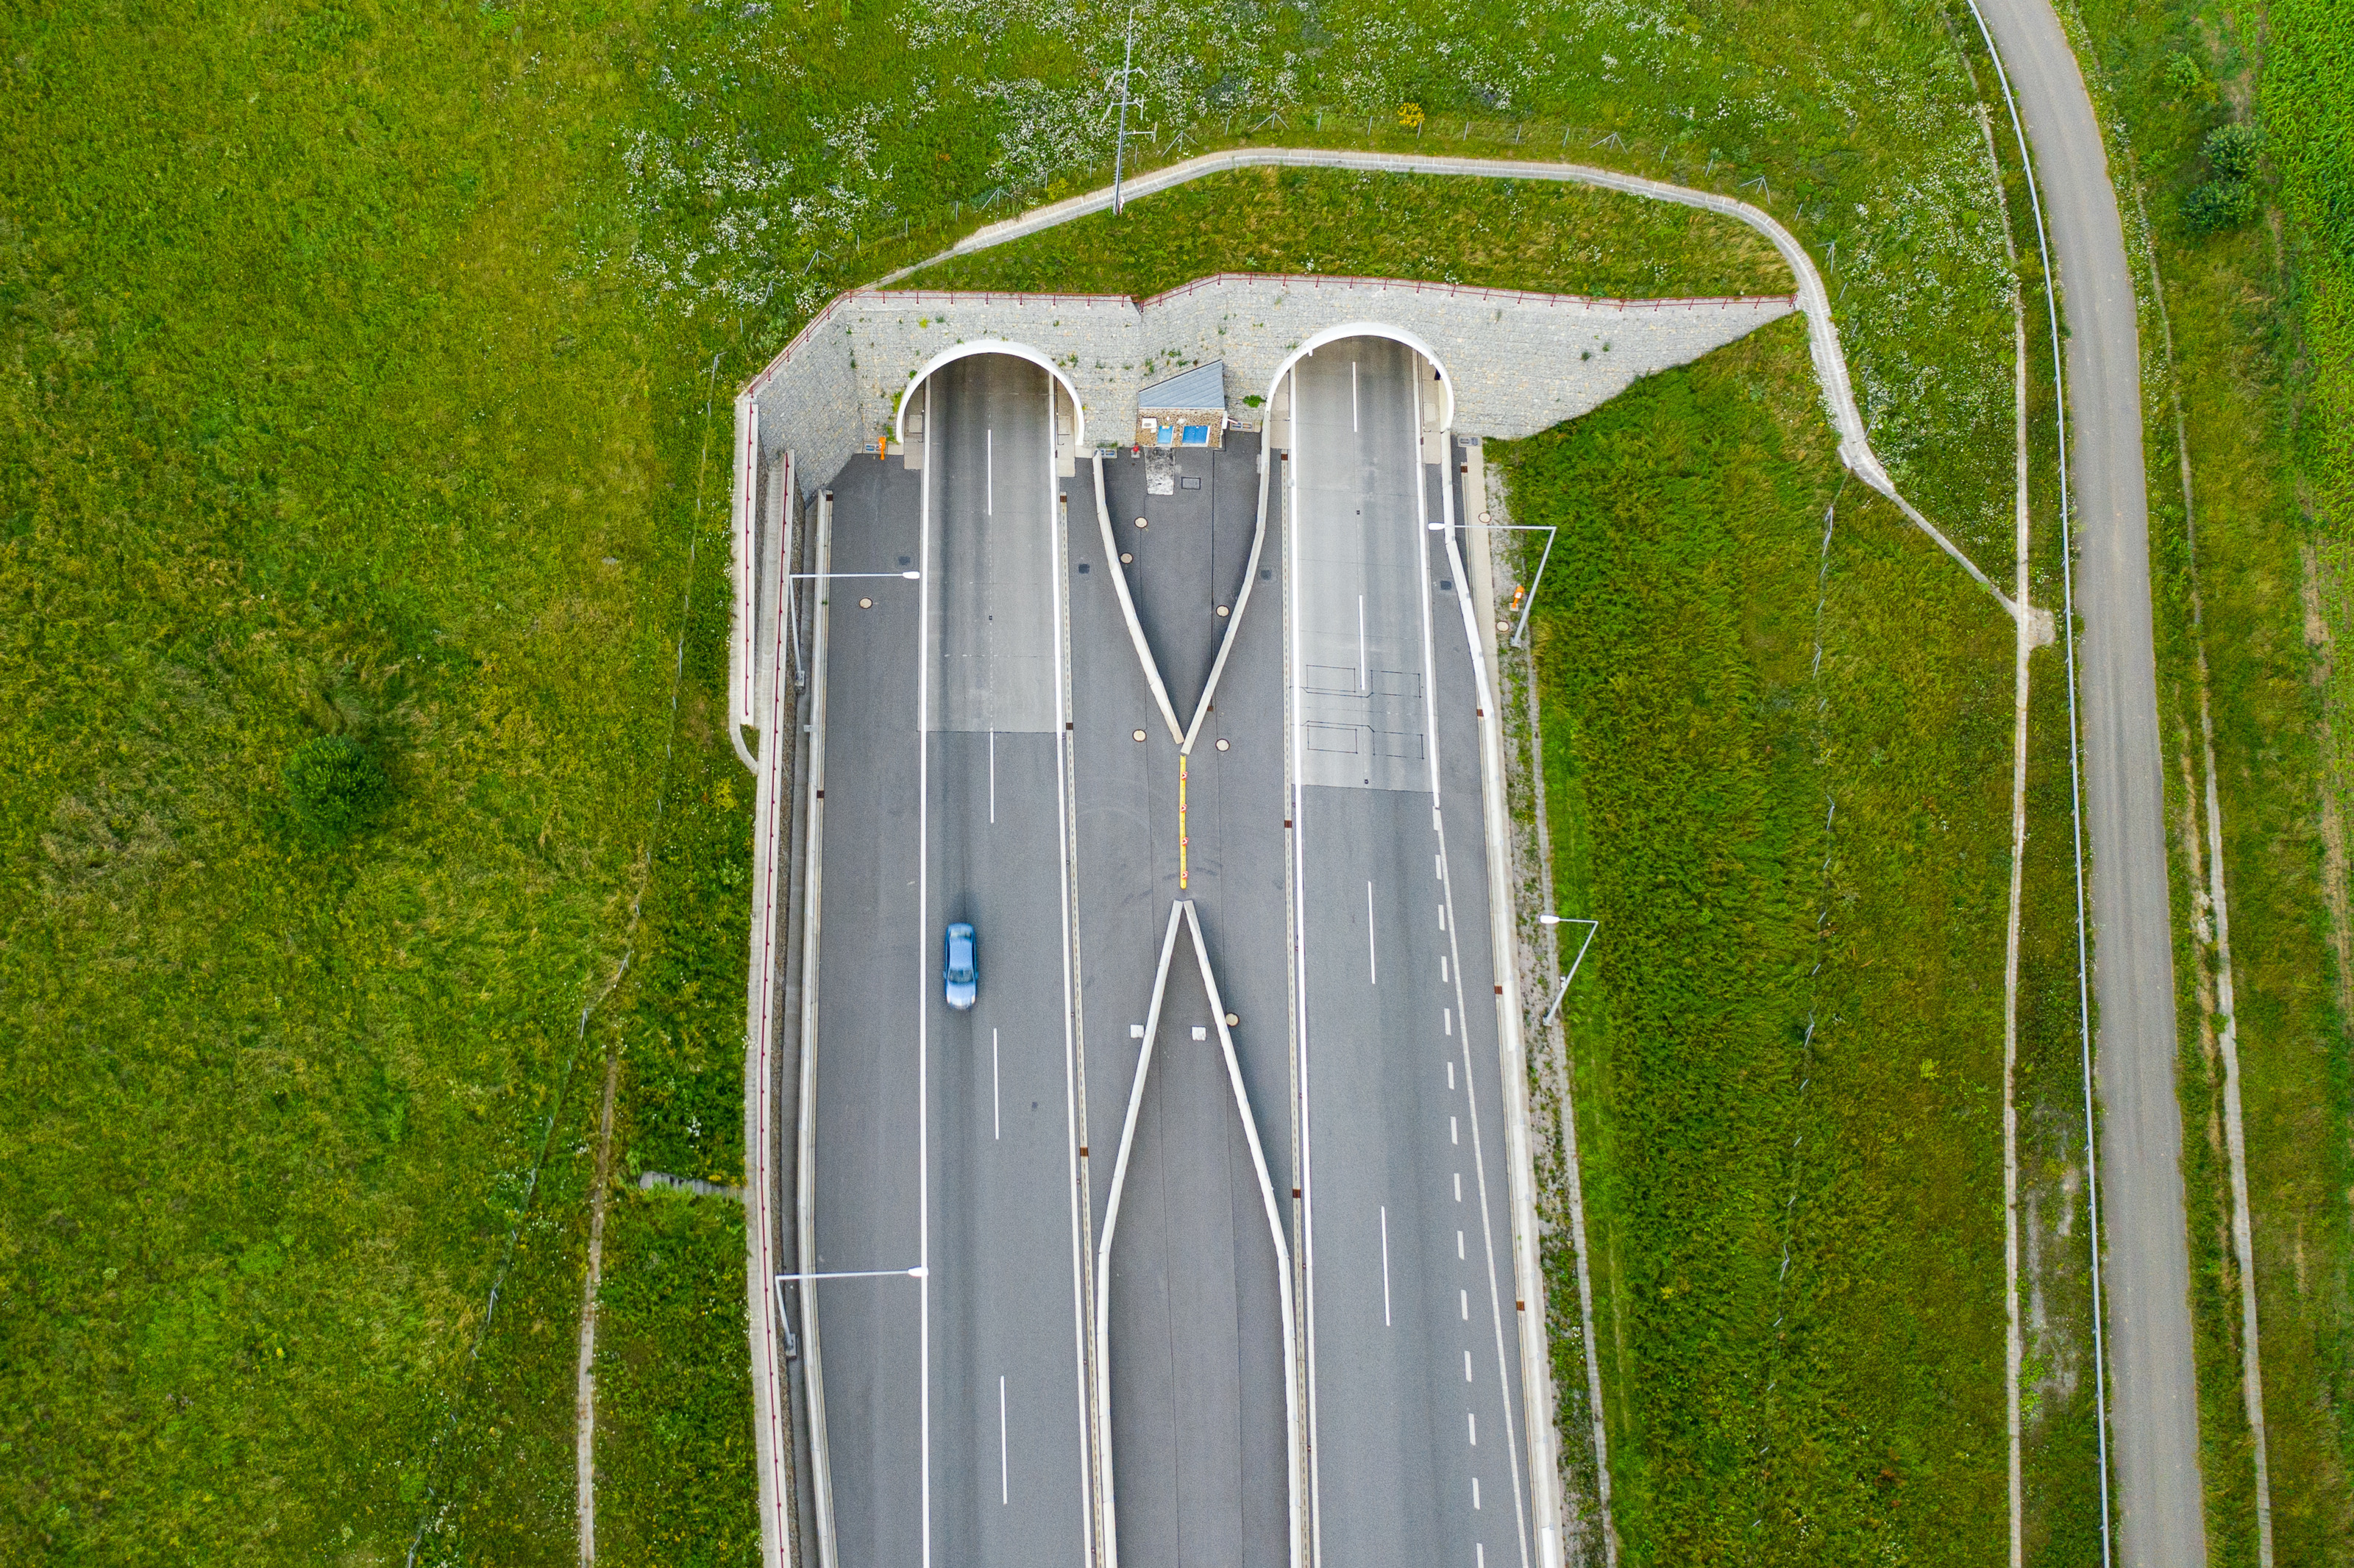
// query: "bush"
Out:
[2231,151]
[2230,196]
[2218,205]
[2185,83]
[335,786]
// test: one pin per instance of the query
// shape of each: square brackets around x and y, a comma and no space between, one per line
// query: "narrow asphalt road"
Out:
[1413,1329]
[956,1404]
[2147,1280]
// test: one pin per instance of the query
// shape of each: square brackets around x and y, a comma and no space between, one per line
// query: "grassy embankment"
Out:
[2262,364]
[1736,818]
[324,418]
[1548,237]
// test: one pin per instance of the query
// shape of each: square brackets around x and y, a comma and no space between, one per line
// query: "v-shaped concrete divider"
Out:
[1183,734]
[1182,913]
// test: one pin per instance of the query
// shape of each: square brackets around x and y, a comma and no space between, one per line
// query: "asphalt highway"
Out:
[2153,1397]
[994,754]
[955,1403]
[1412,1339]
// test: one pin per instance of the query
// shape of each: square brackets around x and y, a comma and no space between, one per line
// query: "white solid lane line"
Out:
[1364,682]
[1352,394]
[925,983]
[1385,1265]
[989,466]
[1298,802]
[992,779]
[1058,519]
[1373,968]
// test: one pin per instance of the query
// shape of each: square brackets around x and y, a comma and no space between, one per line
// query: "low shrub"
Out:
[334,784]
[2229,198]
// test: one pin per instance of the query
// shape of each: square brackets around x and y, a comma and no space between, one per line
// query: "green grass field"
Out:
[322,419]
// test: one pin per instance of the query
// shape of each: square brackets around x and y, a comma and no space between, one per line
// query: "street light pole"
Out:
[1520,633]
[1592,928]
[1120,154]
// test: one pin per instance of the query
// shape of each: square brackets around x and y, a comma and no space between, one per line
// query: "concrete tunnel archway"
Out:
[993,346]
[1369,328]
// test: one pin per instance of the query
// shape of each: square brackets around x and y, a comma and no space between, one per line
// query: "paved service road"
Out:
[2155,1424]
[1412,1344]
[955,1405]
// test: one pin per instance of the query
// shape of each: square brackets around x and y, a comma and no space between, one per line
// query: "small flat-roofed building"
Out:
[1188,409]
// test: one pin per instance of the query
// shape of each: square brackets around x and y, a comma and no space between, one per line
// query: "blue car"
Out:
[963,972]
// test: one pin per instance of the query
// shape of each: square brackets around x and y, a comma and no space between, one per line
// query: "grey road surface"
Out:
[955,1405]
[1195,1330]
[2155,1404]
[1414,1367]
[1193,1353]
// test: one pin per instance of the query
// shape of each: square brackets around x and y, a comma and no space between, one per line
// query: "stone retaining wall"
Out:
[1517,362]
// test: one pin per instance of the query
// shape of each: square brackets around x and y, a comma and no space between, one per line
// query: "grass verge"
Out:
[1789,1059]
[674,1455]
[1553,239]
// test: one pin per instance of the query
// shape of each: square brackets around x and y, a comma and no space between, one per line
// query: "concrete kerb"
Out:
[805,1165]
[1128,610]
[771,815]
[1292,1433]
[1242,603]
[1107,1502]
